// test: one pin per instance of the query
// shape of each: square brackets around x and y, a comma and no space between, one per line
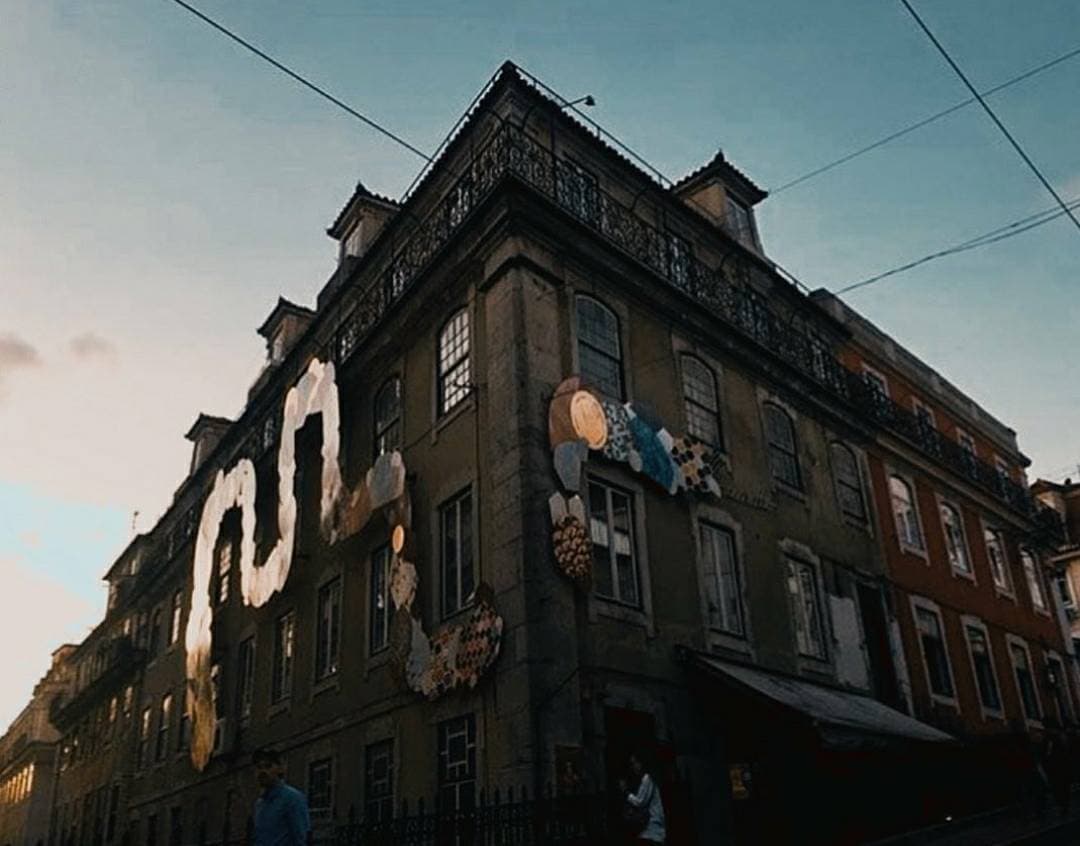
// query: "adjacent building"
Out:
[28,753]
[1064,499]
[558,468]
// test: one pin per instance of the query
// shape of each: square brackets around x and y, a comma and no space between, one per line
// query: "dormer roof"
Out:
[361,197]
[283,309]
[720,168]
[206,422]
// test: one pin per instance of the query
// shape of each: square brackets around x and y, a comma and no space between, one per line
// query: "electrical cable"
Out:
[247,45]
[924,122]
[997,121]
[1002,233]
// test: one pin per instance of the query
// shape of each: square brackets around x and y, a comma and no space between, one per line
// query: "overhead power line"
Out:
[247,45]
[1017,227]
[900,133]
[997,121]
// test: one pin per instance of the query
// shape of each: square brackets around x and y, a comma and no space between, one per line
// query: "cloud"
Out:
[15,352]
[30,539]
[89,345]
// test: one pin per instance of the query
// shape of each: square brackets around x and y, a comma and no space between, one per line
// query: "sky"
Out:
[160,188]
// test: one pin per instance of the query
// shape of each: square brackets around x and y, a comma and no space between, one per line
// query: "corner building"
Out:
[747,643]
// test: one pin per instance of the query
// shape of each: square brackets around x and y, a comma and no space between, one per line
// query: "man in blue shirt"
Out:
[281,812]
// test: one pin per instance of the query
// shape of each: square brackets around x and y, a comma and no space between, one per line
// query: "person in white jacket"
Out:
[647,796]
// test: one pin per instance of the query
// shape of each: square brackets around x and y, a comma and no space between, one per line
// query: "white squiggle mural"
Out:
[237,488]
[456,655]
[315,393]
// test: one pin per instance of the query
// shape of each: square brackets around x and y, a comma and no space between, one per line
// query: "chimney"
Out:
[205,433]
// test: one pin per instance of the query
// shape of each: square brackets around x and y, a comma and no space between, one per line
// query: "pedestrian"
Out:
[281,811]
[644,798]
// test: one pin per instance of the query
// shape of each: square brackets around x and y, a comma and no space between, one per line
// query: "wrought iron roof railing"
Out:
[512,153]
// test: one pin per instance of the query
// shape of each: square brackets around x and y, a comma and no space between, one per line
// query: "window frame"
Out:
[964,548]
[380,806]
[283,670]
[1051,656]
[734,227]
[245,677]
[161,736]
[376,646]
[1012,642]
[611,488]
[448,367]
[321,810]
[771,447]
[327,657]
[919,603]
[580,342]
[919,409]
[794,567]
[462,600]
[839,484]
[740,632]
[969,623]
[689,403]
[901,539]
[442,746]
[875,380]
[381,430]
[1008,589]
[1032,577]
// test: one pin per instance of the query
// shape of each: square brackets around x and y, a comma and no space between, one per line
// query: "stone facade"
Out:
[532,252]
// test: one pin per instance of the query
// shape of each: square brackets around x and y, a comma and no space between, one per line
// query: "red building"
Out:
[982,633]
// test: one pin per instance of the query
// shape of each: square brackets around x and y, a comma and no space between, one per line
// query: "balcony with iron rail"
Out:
[511,153]
[122,659]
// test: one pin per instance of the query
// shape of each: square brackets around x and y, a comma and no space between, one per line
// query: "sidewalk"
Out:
[1016,825]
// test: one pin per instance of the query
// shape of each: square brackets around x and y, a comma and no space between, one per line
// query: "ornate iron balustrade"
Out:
[511,152]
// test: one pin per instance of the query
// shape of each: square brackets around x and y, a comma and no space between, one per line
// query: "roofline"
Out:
[283,306]
[204,420]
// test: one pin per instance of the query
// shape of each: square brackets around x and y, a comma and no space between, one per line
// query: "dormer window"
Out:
[739,221]
[354,242]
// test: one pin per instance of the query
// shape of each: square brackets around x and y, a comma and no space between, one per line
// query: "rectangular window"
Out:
[144,738]
[321,785]
[1059,688]
[455,519]
[284,643]
[999,564]
[879,388]
[328,629]
[1025,680]
[457,762]
[176,826]
[454,370]
[245,694]
[924,415]
[611,521]
[164,723]
[174,621]
[1034,583]
[155,632]
[983,663]
[723,589]
[224,569]
[379,781]
[805,608]
[952,525]
[380,599]
[932,638]
[739,221]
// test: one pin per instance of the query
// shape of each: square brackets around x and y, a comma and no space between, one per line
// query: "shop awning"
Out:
[842,718]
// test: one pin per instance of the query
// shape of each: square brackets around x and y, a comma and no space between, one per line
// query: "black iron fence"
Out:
[496,819]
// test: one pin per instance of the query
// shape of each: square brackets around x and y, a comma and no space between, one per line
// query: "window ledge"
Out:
[794,493]
[947,701]
[718,639]
[862,525]
[914,550]
[993,714]
[1004,594]
[377,659]
[616,610]
[280,707]
[444,420]
[962,574]
[330,682]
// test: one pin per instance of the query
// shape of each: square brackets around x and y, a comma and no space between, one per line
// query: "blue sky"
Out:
[161,188]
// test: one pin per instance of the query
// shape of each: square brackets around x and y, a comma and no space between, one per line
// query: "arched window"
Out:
[599,351]
[783,449]
[702,404]
[387,425]
[849,490]
[905,514]
[454,371]
[955,545]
